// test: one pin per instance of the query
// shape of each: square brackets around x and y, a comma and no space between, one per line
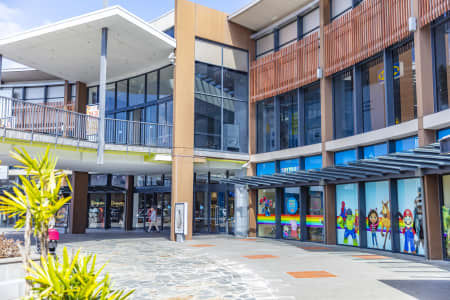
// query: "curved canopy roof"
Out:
[70,49]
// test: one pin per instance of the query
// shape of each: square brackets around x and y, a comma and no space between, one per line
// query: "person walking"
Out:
[153,217]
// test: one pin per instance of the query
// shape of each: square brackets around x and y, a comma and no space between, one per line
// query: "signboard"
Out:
[180,218]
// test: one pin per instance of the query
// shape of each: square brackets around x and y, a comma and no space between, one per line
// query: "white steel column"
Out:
[102,96]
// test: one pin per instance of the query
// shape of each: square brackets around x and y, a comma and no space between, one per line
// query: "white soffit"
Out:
[70,49]
[261,13]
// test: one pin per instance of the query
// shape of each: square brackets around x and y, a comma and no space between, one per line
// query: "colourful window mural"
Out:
[314,214]
[266,218]
[347,214]
[378,215]
[290,218]
[446,215]
[410,216]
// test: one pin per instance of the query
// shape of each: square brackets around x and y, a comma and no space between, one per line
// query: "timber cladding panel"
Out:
[289,68]
[430,10]
[364,31]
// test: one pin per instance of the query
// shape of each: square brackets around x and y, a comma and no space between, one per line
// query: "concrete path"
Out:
[224,267]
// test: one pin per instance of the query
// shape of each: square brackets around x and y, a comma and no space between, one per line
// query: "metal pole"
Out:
[102,96]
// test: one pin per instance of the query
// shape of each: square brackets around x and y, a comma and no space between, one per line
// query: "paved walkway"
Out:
[223,267]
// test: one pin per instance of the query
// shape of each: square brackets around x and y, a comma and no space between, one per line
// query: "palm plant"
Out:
[72,278]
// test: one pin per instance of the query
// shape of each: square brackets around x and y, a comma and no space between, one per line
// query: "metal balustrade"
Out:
[41,119]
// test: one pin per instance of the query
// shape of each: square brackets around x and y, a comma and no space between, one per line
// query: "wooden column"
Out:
[432,217]
[80,98]
[129,204]
[183,112]
[79,203]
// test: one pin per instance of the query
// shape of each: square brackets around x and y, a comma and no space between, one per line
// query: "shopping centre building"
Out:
[312,120]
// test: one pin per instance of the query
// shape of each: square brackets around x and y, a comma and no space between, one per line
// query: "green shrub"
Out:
[72,278]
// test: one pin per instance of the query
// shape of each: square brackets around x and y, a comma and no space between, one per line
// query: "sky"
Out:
[19,15]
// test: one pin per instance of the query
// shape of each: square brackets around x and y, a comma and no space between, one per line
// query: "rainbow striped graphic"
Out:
[286,219]
[263,219]
[314,221]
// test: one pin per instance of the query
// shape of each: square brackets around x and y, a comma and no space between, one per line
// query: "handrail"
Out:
[37,118]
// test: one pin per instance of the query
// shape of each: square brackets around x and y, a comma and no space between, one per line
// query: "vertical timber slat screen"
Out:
[289,68]
[430,10]
[363,31]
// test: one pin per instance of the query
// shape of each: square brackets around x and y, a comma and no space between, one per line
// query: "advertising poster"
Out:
[410,216]
[290,219]
[266,218]
[347,214]
[446,215]
[378,215]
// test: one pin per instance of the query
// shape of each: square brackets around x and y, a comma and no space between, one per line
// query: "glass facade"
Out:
[312,115]
[221,98]
[373,95]
[442,65]
[266,216]
[266,126]
[288,120]
[343,105]
[347,212]
[314,214]
[290,217]
[405,96]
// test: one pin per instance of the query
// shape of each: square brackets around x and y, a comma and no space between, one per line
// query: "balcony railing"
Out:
[363,31]
[430,10]
[287,69]
[35,118]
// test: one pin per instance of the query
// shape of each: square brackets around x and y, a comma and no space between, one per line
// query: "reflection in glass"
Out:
[207,122]
[405,96]
[266,125]
[235,120]
[373,95]
[288,120]
[136,91]
[312,115]
[343,104]
[266,217]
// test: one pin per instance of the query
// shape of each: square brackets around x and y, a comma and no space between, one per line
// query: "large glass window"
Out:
[343,104]
[442,65]
[312,115]
[122,88]
[136,91]
[266,217]
[405,97]
[411,214]
[290,218]
[373,94]
[166,82]
[266,126]
[446,215]
[378,215]
[208,121]
[288,120]
[226,89]
[314,214]
[347,214]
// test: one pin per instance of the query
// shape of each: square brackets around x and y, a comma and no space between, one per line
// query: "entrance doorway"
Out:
[159,201]
[214,211]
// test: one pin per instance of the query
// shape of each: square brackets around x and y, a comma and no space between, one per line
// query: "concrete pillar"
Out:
[102,96]
[78,205]
[240,211]
[129,204]
[183,112]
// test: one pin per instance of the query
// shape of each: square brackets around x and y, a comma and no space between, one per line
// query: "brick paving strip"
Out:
[311,274]
[260,256]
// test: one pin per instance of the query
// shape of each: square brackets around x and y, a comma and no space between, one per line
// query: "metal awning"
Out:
[428,158]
